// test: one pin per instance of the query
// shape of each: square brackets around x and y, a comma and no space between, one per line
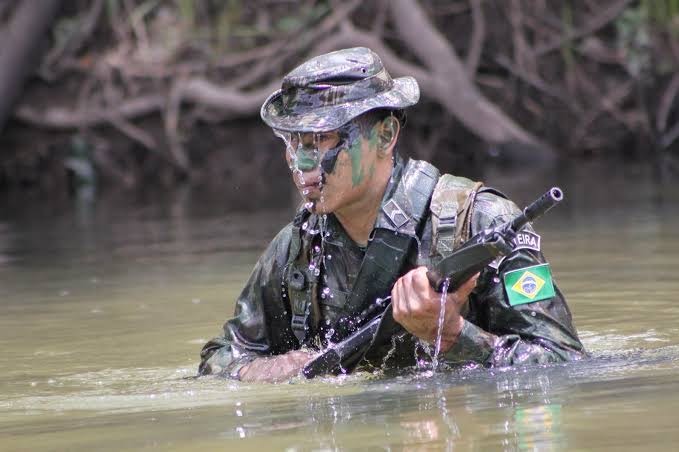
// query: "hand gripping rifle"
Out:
[377,322]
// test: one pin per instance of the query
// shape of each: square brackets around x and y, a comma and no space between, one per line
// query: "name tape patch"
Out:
[524,240]
[527,240]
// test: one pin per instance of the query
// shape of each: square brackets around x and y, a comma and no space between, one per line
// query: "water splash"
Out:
[439,331]
[317,260]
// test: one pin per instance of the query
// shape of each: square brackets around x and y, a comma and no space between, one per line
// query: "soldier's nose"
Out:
[307,160]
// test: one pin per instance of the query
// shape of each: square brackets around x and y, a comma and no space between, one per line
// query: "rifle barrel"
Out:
[552,197]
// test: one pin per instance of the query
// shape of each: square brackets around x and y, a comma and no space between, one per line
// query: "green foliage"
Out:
[636,28]
[217,26]
[567,22]
[187,12]
[663,12]
[634,39]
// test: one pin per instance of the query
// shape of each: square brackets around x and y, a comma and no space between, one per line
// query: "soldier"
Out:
[370,224]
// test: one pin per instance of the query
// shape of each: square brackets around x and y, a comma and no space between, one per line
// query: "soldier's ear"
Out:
[388,133]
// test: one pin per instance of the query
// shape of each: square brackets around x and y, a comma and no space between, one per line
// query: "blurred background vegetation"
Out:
[135,94]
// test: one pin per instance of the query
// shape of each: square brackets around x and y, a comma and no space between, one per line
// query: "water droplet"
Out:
[533,313]
[496,280]
[305,226]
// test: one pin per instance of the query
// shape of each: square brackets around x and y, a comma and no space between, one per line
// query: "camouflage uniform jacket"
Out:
[495,333]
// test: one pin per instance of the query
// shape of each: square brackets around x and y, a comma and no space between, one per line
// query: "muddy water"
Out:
[103,312]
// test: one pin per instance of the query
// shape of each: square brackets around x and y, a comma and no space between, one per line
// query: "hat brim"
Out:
[404,93]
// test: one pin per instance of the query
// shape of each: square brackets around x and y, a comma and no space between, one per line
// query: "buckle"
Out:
[299,322]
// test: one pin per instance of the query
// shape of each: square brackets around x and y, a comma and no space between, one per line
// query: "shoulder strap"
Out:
[298,284]
[451,209]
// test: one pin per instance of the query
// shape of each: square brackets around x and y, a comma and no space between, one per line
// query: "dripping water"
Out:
[439,331]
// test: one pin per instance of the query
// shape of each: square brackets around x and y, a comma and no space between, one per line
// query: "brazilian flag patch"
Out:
[529,284]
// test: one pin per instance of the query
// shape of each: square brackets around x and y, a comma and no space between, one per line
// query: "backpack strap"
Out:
[451,208]
[299,284]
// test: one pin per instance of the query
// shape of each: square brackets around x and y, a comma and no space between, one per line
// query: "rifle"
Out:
[474,255]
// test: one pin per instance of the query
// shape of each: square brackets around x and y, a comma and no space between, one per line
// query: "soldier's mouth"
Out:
[310,190]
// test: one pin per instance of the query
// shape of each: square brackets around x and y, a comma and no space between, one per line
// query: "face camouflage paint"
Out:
[308,150]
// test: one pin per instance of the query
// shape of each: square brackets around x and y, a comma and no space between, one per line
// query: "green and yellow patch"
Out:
[529,284]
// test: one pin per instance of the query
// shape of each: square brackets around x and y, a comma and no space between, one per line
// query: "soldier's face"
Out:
[333,169]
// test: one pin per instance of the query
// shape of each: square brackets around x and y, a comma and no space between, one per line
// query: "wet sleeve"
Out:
[260,325]
[497,334]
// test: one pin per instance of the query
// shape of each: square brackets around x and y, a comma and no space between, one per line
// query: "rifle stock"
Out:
[466,261]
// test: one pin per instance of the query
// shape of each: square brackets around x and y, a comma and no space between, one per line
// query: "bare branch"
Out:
[671,136]
[171,122]
[65,118]
[268,66]
[134,133]
[422,37]
[598,22]
[451,86]
[195,90]
[202,91]
[380,17]
[478,36]
[74,42]
[349,35]
[522,51]
[666,103]
[608,103]
[536,82]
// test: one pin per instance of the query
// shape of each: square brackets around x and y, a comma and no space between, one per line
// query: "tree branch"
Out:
[608,103]
[593,25]
[66,118]
[478,36]
[666,103]
[74,42]
[452,87]
[196,90]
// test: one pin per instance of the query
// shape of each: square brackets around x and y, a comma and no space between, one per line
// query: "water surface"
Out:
[104,310]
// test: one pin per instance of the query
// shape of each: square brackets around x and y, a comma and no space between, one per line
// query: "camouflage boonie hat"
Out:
[330,90]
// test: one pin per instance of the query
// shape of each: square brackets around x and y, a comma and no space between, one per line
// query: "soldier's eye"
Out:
[327,140]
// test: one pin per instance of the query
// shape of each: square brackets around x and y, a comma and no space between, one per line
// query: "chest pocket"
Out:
[451,213]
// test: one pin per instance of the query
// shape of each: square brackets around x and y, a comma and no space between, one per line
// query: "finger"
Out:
[421,285]
[404,297]
[469,285]
[419,279]
[405,294]
[397,305]
[461,295]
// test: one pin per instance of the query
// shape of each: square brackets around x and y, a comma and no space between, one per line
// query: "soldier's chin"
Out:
[319,207]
